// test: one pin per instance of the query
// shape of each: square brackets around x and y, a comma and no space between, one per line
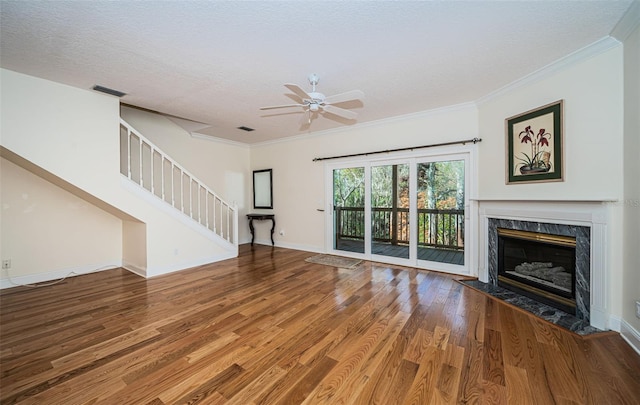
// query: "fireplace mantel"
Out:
[592,214]
[546,200]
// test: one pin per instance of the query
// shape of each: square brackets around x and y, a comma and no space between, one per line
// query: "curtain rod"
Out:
[474,140]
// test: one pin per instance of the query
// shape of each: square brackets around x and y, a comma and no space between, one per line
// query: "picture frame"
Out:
[263,189]
[535,145]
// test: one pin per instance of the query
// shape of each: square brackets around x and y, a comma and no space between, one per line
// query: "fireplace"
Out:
[538,265]
[578,263]
[586,221]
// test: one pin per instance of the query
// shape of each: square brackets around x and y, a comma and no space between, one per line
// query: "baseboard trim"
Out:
[57,275]
[137,270]
[294,246]
[161,270]
[631,335]
[614,323]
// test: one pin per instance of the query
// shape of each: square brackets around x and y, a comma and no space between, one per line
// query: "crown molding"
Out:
[624,27]
[628,23]
[420,114]
[603,45]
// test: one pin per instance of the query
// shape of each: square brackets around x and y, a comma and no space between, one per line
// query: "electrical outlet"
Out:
[6,264]
[637,309]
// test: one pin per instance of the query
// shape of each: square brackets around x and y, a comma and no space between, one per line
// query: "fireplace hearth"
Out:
[538,265]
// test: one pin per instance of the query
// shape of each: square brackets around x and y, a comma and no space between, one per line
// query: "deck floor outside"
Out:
[402,251]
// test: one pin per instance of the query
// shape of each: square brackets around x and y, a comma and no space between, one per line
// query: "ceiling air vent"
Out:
[109,91]
[246,128]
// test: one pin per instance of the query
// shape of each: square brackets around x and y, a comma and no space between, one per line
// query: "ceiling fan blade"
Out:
[348,114]
[281,106]
[342,97]
[298,91]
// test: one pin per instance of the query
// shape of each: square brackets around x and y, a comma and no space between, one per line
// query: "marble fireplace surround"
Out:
[583,219]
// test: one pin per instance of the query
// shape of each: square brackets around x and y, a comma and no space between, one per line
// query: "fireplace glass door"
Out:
[538,265]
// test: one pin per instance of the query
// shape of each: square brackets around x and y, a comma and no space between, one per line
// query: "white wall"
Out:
[47,229]
[74,134]
[134,246]
[592,90]
[631,206]
[592,94]
[298,182]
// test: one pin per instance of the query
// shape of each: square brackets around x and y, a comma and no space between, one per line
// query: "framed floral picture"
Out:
[534,145]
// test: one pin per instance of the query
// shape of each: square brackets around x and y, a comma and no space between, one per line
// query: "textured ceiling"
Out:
[218,62]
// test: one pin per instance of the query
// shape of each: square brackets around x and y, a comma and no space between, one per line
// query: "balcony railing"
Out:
[443,229]
[148,166]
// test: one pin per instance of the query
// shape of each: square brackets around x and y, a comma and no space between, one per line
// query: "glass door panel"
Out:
[348,209]
[390,234]
[441,202]
[407,211]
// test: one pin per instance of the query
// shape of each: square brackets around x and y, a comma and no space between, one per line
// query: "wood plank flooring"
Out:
[270,328]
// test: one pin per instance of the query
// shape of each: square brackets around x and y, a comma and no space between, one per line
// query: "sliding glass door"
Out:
[441,211]
[348,230]
[407,211]
[390,231]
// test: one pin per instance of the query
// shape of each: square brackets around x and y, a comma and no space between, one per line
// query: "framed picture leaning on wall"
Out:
[534,145]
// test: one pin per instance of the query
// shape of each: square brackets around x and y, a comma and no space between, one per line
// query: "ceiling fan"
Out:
[315,102]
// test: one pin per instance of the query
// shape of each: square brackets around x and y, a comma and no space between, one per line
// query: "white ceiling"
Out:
[218,62]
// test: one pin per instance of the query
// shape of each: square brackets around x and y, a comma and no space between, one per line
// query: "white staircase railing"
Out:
[145,164]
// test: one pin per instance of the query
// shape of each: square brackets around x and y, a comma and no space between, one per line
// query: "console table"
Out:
[261,217]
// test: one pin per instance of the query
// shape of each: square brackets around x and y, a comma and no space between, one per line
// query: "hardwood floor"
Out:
[270,328]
